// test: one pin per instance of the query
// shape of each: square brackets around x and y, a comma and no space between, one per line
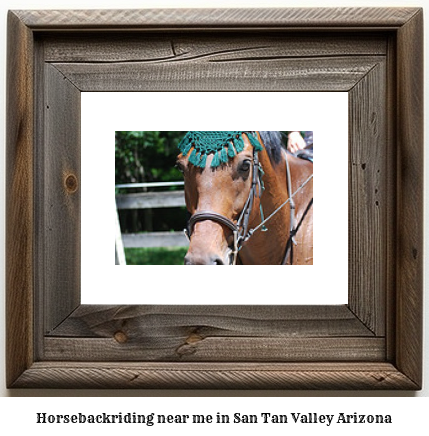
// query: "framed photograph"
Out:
[59,63]
[140,228]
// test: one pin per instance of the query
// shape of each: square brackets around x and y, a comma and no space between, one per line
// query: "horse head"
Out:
[225,195]
[220,171]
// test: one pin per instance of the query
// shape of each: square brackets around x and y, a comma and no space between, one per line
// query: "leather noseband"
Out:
[239,229]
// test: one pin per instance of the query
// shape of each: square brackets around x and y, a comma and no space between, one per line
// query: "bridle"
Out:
[240,229]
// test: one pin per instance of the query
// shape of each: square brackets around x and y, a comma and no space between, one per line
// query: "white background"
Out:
[412,414]
[327,116]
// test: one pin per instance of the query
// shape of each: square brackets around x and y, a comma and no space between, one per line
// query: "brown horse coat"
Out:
[225,189]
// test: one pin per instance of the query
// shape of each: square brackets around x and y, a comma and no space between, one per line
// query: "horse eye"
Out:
[180,167]
[245,166]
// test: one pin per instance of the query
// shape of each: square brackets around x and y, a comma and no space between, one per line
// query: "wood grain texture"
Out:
[302,74]
[391,192]
[410,198]
[60,166]
[368,202]
[19,200]
[188,346]
[218,348]
[150,19]
[105,375]
[99,321]
[178,47]
[213,333]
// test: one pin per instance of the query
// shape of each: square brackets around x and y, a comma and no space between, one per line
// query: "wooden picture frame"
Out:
[373,342]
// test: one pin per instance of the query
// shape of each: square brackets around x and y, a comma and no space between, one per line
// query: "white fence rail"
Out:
[151,200]
[155,239]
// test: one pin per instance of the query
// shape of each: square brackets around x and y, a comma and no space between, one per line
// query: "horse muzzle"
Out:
[204,259]
[208,246]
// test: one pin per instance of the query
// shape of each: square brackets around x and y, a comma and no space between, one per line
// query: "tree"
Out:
[146,156]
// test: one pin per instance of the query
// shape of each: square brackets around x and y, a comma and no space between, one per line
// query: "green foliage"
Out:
[146,156]
[155,256]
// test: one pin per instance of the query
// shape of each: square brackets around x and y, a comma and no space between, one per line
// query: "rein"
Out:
[240,229]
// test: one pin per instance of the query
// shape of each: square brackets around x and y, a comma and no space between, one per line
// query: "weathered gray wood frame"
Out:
[374,342]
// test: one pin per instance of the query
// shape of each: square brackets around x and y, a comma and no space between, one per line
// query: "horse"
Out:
[250,200]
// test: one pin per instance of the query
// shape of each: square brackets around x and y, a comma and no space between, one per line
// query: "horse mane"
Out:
[273,143]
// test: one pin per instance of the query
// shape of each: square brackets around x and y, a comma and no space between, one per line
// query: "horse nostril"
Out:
[206,259]
[218,261]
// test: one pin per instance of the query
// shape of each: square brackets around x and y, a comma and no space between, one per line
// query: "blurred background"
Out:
[151,212]
[149,197]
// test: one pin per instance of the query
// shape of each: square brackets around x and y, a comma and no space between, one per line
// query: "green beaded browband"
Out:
[223,145]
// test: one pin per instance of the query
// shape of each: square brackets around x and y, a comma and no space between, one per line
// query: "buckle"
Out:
[186,232]
[235,247]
